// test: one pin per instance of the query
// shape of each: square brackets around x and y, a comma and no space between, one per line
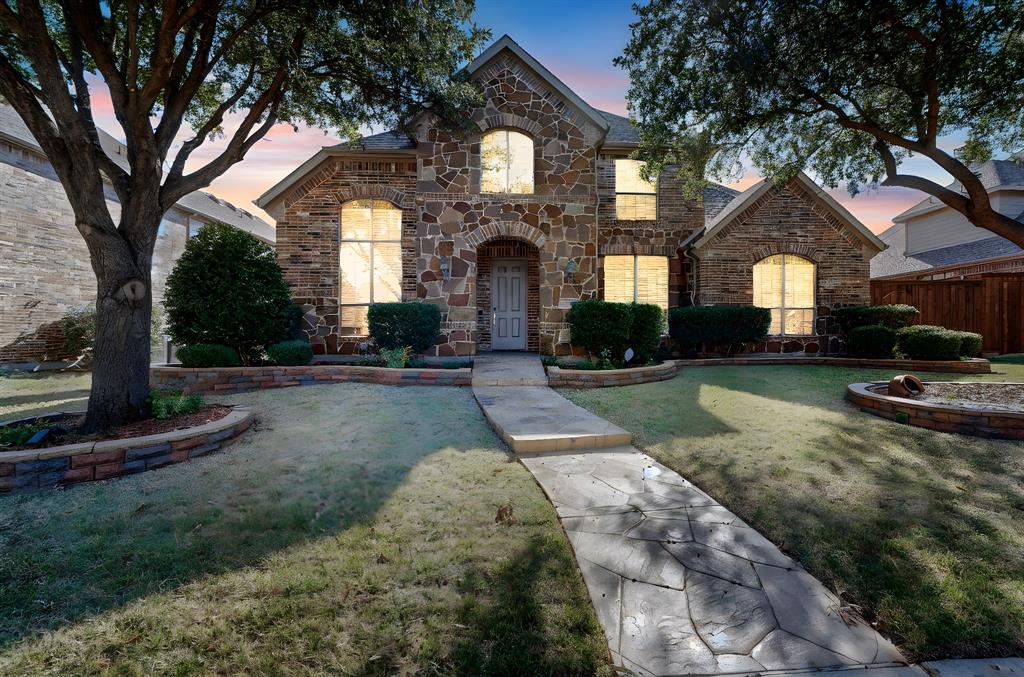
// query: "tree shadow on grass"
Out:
[513,626]
[320,460]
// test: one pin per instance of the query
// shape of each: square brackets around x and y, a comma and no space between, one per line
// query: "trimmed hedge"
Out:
[601,326]
[400,325]
[895,316]
[208,355]
[970,343]
[719,325]
[872,340]
[928,342]
[290,353]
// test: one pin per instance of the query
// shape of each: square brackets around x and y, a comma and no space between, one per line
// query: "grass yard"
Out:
[351,532]
[924,530]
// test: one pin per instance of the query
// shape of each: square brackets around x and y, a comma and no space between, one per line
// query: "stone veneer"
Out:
[231,380]
[88,461]
[788,220]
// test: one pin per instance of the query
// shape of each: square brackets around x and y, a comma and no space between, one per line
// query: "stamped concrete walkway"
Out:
[680,584]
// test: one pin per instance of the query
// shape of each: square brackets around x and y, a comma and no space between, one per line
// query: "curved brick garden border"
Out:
[945,417]
[592,378]
[87,461]
[228,380]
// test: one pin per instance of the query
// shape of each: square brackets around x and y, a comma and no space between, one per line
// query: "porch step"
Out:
[508,369]
[536,419]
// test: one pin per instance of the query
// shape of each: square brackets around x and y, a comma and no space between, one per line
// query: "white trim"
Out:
[755,192]
[933,204]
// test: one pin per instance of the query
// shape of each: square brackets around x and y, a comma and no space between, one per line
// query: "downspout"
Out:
[692,277]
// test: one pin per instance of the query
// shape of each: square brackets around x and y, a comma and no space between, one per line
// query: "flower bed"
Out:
[560,377]
[98,460]
[969,366]
[227,380]
[976,418]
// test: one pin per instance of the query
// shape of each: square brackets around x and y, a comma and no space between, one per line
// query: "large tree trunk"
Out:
[120,370]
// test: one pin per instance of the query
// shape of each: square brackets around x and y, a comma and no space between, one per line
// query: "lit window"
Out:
[784,283]
[371,260]
[506,162]
[635,198]
[636,279]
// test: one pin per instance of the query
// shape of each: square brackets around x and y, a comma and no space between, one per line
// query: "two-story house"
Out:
[504,228]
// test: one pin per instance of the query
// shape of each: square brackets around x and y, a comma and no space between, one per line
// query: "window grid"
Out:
[785,284]
[370,260]
[635,198]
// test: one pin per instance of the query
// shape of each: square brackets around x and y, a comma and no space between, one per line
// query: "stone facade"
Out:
[452,231]
[788,220]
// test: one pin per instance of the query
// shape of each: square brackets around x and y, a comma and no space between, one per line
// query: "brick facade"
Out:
[788,220]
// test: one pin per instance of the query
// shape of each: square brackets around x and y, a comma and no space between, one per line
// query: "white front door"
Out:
[508,305]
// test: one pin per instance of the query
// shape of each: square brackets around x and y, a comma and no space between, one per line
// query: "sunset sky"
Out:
[577,42]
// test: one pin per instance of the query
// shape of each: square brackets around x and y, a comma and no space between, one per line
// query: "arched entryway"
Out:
[508,295]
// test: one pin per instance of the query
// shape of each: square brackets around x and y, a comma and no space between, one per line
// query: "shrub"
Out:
[970,343]
[928,342]
[17,435]
[165,404]
[645,330]
[290,353]
[397,325]
[719,325]
[396,358]
[895,316]
[601,326]
[208,355]
[226,288]
[872,340]
[78,327]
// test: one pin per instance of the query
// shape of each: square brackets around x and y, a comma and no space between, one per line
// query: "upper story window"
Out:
[370,251]
[506,162]
[784,283]
[635,198]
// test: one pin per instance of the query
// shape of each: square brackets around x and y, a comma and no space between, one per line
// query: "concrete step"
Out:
[508,369]
[534,419]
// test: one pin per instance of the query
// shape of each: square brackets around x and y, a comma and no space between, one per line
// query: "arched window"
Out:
[506,162]
[370,260]
[784,283]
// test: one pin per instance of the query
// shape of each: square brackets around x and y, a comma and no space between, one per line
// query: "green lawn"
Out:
[924,530]
[351,532]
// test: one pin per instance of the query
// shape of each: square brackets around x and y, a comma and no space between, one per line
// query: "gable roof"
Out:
[621,130]
[758,190]
[505,42]
[201,203]
[893,262]
[995,175]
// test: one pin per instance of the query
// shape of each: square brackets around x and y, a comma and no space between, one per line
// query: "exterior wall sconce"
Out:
[570,268]
[446,268]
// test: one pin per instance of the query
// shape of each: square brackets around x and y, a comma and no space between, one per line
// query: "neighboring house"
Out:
[44,263]
[931,235]
[505,229]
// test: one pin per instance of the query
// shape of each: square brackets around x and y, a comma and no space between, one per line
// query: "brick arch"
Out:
[505,230]
[771,249]
[375,191]
[499,120]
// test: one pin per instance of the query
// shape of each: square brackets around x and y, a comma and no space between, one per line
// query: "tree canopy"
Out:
[846,88]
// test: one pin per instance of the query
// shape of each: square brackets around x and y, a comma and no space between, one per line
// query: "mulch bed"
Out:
[1001,396]
[150,426]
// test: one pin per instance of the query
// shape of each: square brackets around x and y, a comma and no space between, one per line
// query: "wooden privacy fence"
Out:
[991,305]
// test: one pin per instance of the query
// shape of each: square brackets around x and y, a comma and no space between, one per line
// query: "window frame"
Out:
[373,252]
[782,294]
[636,275]
[653,193]
[508,131]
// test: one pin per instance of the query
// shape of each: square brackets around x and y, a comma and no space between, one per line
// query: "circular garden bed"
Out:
[971,408]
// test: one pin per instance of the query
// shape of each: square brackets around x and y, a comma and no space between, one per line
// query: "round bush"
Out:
[896,316]
[645,330]
[718,325]
[402,325]
[208,355]
[970,343]
[872,340]
[601,326]
[928,342]
[227,288]
[290,353]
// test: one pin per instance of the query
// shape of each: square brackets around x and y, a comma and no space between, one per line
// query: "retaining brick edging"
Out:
[593,378]
[229,380]
[974,365]
[943,417]
[88,461]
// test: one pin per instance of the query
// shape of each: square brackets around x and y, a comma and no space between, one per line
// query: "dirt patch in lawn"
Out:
[998,396]
[151,426]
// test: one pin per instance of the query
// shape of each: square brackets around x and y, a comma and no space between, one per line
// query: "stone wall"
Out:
[44,263]
[231,380]
[788,220]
